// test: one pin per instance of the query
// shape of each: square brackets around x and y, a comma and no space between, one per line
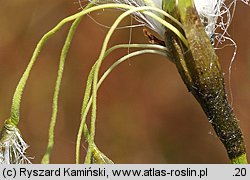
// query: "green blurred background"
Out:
[145,113]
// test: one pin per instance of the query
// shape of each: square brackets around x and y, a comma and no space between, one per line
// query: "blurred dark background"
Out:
[145,113]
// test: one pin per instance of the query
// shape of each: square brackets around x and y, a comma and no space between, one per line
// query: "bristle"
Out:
[216,15]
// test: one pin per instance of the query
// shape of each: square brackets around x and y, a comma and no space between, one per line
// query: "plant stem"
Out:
[65,49]
[88,100]
[15,109]
[85,105]
[99,62]
[242,159]
[200,69]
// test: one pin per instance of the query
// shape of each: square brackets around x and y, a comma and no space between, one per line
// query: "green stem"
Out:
[15,109]
[99,61]
[65,49]
[204,78]
[83,126]
[242,159]
[46,157]
[83,129]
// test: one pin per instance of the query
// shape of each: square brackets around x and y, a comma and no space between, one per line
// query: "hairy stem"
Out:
[15,109]
[88,100]
[65,49]
[200,69]
[99,62]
